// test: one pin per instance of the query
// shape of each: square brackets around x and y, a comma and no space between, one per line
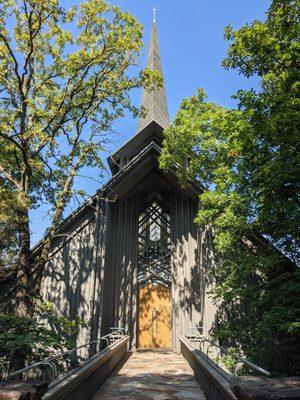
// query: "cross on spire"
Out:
[154,9]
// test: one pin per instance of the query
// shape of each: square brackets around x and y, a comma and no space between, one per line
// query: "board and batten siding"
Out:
[73,278]
[192,259]
[207,261]
[120,284]
[93,270]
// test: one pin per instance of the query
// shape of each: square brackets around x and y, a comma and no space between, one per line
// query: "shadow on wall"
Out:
[69,283]
[154,317]
[120,286]
[193,261]
[71,274]
[126,311]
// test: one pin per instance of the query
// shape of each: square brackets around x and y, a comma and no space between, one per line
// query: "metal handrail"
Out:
[115,329]
[49,363]
[196,336]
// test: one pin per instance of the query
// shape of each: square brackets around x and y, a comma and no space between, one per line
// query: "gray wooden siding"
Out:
[207,261]
[120,287]
[73,276]
[185,291]
[93,273]
[192,260]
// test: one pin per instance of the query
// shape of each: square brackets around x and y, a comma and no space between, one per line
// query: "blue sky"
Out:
[192,48]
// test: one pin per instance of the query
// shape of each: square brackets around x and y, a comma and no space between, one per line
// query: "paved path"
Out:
[152,375]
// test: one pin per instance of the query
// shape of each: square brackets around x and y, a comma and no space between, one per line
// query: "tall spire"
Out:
[154,102]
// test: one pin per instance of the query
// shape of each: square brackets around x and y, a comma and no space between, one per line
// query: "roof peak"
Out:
[155,102]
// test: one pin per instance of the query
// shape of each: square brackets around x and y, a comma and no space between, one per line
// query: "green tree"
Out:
[249,158]
[65,77]
[42,336]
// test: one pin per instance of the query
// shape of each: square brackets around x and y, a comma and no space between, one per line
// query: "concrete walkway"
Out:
[149,375]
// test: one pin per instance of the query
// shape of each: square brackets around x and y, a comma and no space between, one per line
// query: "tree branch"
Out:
[16,65]
[9,177]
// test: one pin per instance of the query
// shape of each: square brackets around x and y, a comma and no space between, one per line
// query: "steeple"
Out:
[156,118]
[154,102]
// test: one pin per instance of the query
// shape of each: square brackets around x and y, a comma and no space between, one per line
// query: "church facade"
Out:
[132,257]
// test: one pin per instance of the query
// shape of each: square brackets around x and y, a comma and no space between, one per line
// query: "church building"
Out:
[132,256]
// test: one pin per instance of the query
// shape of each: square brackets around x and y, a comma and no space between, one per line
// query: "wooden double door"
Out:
[154,316]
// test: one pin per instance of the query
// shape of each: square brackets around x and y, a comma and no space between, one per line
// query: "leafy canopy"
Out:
[249,158]
[65,77]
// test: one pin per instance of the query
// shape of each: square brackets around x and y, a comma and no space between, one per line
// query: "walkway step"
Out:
[152,375]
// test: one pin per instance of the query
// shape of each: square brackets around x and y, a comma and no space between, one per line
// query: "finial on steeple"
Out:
[154,14]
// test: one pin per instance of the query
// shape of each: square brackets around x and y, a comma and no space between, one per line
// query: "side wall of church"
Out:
[120,284]
[73,279]
[192,261]
[207,259]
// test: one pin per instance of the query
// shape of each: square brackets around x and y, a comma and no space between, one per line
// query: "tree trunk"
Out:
[23,303]
[23,306]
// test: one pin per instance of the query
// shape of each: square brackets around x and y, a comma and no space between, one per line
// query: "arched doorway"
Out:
[154,272]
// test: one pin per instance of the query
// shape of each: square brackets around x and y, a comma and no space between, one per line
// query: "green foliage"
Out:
[8,227]
[36,338]
[249,158]
[65,77]
[230,362]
